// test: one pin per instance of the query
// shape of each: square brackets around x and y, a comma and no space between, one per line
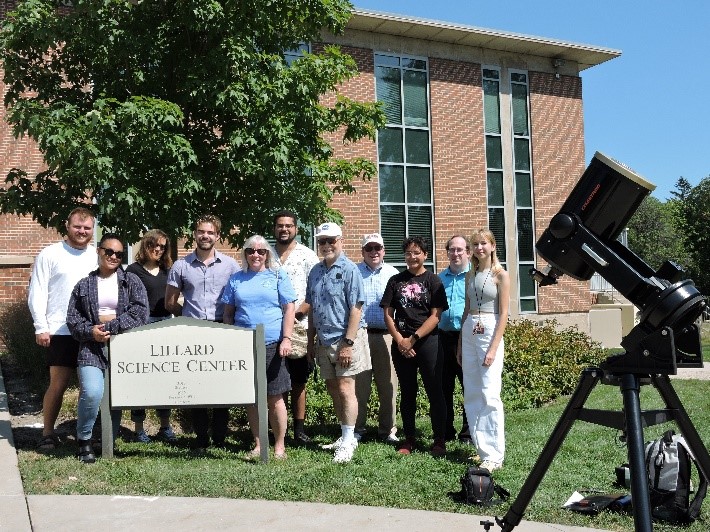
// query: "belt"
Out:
[372,330]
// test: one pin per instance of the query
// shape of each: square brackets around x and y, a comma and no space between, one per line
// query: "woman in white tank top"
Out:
[481,348]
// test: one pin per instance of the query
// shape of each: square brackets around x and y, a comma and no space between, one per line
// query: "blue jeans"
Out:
[91,390]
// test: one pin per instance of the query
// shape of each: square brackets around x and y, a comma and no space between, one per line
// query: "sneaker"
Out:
[390,438]
[490,465]
[141,437]
[359,436]
[335,445]
[406,447]
[344,452]
[166,434]
[439,447]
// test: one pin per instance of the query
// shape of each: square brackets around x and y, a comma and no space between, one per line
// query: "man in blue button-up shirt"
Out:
[375,274]
[454,279]
[335,294]
[201,277]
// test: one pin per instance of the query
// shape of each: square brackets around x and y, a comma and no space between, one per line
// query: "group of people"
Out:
[358,322]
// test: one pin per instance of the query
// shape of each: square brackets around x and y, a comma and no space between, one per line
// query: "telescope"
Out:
[581,239]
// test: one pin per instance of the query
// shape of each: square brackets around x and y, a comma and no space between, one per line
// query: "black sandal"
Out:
[48,443]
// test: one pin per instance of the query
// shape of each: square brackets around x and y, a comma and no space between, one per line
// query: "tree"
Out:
[653,235]
[160,110]
[694,214]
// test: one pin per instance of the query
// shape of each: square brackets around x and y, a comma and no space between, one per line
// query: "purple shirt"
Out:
[202,285]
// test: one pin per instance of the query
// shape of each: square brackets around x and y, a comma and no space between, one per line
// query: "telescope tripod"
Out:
[632,420]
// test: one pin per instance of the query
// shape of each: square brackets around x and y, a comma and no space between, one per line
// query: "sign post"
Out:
[186,363]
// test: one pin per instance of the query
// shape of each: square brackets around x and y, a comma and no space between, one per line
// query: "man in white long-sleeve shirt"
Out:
[55,272]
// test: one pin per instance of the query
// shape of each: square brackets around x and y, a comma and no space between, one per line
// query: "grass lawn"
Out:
[705,340]
[377,476]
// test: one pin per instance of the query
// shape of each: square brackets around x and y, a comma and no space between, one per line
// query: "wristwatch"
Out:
[416,337]
[348,342]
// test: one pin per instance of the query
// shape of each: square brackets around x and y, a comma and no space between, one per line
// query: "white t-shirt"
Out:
[55,272]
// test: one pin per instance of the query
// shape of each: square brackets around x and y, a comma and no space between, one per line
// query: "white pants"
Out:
[482,386]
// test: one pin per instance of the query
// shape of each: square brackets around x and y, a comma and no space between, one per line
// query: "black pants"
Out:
[448,343]
[430,365]
[201,424]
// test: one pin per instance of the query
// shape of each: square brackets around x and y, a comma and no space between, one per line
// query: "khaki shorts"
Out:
[327,358]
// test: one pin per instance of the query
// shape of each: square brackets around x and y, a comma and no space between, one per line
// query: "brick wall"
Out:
[459,158]
[558,162]
[20,237]
[361,210]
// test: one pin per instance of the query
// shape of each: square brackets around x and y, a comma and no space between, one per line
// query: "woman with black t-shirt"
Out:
[152,264]
[413,302]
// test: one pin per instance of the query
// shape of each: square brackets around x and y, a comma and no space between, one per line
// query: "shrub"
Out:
[18,335]
[543,362]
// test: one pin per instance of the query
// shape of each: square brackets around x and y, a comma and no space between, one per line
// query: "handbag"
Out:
[299,341]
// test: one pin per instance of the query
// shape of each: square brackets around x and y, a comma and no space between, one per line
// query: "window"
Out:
[522,166]
[494,159]
[404,153]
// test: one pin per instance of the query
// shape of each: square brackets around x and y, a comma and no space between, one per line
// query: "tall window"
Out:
[404,158]
[494,159]
[523,190]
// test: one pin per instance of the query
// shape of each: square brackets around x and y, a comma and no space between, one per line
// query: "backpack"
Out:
[669,465]
[478,487]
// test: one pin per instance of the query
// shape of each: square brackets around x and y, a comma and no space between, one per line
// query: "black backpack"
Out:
[478,487]
[669,465]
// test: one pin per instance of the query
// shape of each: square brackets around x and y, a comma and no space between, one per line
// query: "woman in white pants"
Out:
[481,348]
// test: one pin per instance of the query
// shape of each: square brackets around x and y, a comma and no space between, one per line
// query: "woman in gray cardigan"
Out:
[106,302]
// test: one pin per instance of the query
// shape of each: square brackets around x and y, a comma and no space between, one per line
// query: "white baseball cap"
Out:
[328,229]
[372,237]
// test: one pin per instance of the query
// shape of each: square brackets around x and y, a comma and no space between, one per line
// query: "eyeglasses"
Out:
[159,247]
[456,250]
[252,251]
[110,253]
[412,253]
[372,247]
[330,240]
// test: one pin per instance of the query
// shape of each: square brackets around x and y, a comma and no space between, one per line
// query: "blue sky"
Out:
[648,108]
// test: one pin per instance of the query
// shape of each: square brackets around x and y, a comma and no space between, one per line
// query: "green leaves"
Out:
[160,111]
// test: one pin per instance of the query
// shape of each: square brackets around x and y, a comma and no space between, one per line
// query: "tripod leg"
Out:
[590,377]
[634,433]
[673,403]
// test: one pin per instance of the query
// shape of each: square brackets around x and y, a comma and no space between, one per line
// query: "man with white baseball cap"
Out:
[335,294]
[375,274]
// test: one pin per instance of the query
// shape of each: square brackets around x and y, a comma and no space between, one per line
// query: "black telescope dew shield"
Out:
[604,199]
[582,239]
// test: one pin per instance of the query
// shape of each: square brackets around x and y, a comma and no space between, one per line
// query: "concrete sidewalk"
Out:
[20,513]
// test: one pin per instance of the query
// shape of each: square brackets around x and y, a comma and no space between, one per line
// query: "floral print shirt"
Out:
[413,297]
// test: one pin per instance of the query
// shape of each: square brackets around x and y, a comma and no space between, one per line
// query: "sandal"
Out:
[48,443]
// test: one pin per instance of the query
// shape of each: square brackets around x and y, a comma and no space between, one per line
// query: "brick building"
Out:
[484,129]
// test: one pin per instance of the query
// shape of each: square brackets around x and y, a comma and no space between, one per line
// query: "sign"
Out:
[184,362]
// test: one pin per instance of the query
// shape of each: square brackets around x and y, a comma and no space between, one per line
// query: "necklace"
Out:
[478,327]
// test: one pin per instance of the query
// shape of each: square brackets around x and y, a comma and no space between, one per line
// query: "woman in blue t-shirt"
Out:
[261,294]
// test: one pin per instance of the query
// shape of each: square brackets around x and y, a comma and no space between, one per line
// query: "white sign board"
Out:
[183,362]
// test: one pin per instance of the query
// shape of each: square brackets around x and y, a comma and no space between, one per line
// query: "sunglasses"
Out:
[110,253]
[330,241]
[252,251]
[373,247]
[159,247]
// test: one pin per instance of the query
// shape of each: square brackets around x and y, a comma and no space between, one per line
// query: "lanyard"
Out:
[479,302]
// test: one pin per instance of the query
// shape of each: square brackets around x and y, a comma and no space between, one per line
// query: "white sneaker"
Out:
[344,453]
[335,445]
[491,465]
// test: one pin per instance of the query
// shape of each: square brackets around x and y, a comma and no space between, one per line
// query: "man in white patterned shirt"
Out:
[375,274]
[297,260]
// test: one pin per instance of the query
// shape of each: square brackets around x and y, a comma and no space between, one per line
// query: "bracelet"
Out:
[286,338]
